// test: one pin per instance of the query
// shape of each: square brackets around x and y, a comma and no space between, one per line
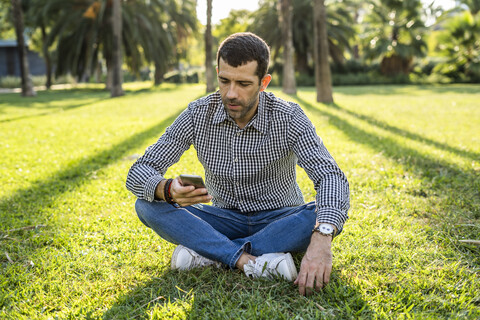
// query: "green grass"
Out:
[411,153]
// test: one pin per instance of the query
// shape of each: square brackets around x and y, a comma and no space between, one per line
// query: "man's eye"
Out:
[244,84]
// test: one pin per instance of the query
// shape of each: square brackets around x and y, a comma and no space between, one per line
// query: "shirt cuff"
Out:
[332,216]
[151,186]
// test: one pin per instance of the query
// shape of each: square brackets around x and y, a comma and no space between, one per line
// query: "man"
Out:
[249,143]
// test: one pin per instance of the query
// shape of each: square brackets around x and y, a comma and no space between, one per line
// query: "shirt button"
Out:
[239,133]
[235,160]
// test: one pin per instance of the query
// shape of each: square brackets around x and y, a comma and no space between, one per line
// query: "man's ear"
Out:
[265,81]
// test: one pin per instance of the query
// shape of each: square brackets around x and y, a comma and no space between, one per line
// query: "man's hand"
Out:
[188,195]
[316,265]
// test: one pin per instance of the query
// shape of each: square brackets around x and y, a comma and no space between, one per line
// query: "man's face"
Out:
[239,88]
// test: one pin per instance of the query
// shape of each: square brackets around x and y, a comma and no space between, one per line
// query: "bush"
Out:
[143,74]
[190,76]
[353,66]
[11,82]
[304,80]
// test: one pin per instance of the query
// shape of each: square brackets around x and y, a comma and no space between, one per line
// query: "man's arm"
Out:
[316,265]
[332,203]
[146,174]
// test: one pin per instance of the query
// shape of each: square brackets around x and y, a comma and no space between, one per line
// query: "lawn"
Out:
[71,246]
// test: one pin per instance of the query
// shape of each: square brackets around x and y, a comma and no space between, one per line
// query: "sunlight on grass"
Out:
[72,246]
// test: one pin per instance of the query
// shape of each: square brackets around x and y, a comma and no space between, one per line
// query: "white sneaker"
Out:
[270,265]
[186,259]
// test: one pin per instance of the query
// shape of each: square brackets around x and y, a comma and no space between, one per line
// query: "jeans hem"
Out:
[246,247]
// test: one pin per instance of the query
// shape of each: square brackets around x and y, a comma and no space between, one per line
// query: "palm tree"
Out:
[395,34]
[83,34]
[460,43]
[208,49]
[37,19]
[323,78]
[237,21]
[172,36]
[116,89]
[285,21]
[340,28]
[27,85]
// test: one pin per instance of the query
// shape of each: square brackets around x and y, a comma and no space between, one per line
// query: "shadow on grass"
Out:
[407,134]
[45,102]
[81,96]
[31,201]
[44,97]
[394,89]
[47,113]
[209,293]
[455,187]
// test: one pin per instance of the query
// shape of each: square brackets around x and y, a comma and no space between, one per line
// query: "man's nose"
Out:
[232,92]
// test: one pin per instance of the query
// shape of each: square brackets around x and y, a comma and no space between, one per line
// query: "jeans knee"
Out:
[141,210]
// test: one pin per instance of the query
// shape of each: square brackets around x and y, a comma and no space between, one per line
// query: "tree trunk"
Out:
[98,72]
[46,56]
[335,53]
[301,62]
[109,78]
[323,77]
[159,73]
[116,89]
[286,15]
[395,65]
[27,85]
[208,50]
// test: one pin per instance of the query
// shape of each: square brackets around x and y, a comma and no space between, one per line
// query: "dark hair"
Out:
[240,48]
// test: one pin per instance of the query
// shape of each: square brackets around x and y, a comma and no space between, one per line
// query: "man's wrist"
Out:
[325,229]
[159,190]
[318,239]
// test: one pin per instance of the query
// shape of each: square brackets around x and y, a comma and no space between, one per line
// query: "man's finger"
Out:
[188,201]
[179,191]
[326,275]
[300,282]
[319,283]
[320,278]
[310,282]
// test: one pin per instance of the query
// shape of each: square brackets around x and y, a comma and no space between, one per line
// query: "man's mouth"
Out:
[233,105]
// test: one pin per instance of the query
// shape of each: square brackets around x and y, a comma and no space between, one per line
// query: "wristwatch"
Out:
[325,229]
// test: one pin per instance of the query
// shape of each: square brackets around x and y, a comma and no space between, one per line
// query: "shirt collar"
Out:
[259,121]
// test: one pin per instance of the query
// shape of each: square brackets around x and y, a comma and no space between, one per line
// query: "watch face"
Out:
[325,228]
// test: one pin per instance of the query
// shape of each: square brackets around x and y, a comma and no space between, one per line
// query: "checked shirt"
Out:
[249,169]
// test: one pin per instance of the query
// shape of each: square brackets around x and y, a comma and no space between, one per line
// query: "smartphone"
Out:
[192,180]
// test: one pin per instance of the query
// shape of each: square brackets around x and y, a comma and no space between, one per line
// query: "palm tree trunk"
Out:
[46,56]
[109,64]
[159,73]
[27,85]
[323,77]
[208,49]
[116,89]
[286,15]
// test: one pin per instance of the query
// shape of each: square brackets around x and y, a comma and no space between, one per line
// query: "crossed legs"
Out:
[229,236]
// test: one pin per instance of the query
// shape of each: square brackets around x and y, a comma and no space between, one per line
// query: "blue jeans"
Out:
[224,234]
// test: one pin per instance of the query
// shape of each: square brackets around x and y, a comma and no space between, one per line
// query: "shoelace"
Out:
[201,261]
[259,268]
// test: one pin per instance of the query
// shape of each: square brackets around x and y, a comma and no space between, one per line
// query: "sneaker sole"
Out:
[174,257]
[291,266]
